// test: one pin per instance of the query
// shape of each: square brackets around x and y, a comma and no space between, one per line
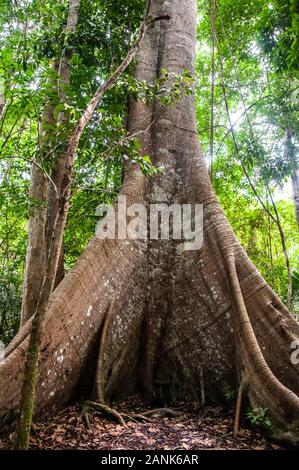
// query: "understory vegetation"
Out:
[247,113]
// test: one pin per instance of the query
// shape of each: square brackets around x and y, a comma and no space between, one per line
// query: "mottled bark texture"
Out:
[36,247]
[193,321]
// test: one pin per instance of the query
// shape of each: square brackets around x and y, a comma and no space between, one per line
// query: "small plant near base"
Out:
[258,418]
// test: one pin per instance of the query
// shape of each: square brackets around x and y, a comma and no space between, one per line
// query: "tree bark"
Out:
[59,169]
[295,186]
[200,320]
[36,246]
[2,100]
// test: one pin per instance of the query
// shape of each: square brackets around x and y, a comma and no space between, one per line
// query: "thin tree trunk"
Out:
[212,21]
[2,99]
[36,247]
[285,251]
[45,268]
[295,186]
[31,366]
[44,197]
[291,153]
[200,318]
[59,169]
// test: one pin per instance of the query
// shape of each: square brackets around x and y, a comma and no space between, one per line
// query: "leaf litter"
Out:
[192,429]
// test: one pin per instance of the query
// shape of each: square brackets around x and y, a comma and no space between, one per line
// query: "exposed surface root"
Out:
[121,417]
[99,379]
[105,409]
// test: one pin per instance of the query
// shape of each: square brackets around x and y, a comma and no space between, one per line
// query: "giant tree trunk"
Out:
[192,320]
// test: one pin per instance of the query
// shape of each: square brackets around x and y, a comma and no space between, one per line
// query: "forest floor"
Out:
[190,429]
